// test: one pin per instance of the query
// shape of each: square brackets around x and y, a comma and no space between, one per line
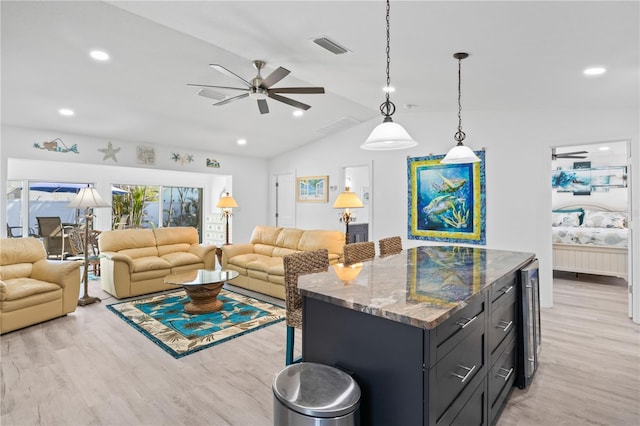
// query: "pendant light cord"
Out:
[388,108]
[460,135]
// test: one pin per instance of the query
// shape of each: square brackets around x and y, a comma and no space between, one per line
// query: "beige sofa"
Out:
[135,261]
[259,262]
[32,288]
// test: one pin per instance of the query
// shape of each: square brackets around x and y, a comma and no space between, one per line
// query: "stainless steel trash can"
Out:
[315,394]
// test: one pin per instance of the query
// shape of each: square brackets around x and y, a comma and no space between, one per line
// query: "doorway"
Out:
[590,198]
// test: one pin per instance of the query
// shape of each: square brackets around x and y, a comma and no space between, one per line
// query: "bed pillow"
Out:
[579,210]
[598,219]
[565,219]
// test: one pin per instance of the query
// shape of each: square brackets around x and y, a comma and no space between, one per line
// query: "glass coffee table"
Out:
[202,287]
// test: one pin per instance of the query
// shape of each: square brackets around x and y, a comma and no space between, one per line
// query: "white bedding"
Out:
[607,237]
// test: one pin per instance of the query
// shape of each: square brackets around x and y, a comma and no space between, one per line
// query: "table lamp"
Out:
[227,203]
[347,200]
[89,198]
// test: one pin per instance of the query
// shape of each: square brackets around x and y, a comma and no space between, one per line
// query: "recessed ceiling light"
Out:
[604,148]
[65,111]
[241,142]
[388,89]
[594,71]
[298,113]
[99,55]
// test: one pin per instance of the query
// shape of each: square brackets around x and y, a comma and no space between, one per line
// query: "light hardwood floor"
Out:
[90,368]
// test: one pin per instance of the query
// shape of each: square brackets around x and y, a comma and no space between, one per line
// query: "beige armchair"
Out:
[32,288]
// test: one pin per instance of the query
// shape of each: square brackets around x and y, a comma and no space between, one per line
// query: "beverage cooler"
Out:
[529,341]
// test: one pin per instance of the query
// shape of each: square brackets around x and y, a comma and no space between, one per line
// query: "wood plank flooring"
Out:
[90,368]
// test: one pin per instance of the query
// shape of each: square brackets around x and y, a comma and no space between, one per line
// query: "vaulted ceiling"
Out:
[523,55]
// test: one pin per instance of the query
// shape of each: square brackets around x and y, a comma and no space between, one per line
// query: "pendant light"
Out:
[460,154]
[388,135]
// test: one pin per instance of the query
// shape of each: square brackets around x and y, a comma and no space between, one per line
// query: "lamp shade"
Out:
[88,198]
[460,154]
[226,202]
[347,200]
[388,136]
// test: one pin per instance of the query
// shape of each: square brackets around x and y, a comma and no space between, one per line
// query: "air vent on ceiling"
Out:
[330,45]
[338,125]
[212,94]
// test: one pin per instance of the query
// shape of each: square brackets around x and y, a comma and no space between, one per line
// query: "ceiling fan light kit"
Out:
[260,88]
[460,154]
[388,135]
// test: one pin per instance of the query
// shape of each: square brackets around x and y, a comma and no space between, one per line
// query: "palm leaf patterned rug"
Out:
[162,319]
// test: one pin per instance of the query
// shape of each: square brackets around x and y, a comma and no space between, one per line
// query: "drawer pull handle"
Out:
[466,376]
[506,376]
[504,326]
[466,322]
[506,290]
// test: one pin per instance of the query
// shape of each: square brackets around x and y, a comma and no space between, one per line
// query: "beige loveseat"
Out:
[135,261]
[259,262]
[32,288]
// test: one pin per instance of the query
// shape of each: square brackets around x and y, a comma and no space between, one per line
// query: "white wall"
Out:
[245,178]
[518,164]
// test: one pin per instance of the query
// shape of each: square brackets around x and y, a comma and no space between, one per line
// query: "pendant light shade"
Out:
[388,135]
[460,154]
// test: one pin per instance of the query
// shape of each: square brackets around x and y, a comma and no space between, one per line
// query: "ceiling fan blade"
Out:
[307,90]
[570,156]
[262,106]
[228,73]
[289,101]
[574,152]
[235,98]
[275,77]
[217,87]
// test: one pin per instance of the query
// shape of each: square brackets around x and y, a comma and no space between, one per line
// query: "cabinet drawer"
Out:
[502,322]
[448,334]
[506,286]
[501,378]
[473,412]
[455,371]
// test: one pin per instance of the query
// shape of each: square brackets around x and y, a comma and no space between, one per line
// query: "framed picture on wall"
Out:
[312,189]
[446,201]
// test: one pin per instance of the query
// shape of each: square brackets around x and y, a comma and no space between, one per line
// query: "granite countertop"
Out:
[421,286]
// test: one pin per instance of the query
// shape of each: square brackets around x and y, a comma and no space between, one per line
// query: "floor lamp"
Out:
[89,198]
[227,203]
[347,200]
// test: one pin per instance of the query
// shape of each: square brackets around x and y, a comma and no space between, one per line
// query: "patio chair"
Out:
[76,239]
[359,252]
[54,236]
[305,262]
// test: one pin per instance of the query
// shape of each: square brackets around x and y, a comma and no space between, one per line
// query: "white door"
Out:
[283,208]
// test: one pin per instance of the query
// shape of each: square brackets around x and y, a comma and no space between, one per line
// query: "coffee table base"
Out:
[204,298]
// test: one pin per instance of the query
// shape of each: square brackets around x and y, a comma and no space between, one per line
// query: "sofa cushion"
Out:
[181,258]
[21,250]
[264,263]
[16,270]
[173,248]
[289,238]
[149,275]
[282,252]
[265,235]
[141,252]
[243,260]
[124,239]
[263,249]
[176,235]
[35,300]
[19,288]
[149,263]
[333,241]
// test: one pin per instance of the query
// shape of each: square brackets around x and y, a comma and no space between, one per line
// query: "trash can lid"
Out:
[316,390]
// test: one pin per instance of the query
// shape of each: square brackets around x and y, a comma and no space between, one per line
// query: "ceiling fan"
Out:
[574,154]
[260,88]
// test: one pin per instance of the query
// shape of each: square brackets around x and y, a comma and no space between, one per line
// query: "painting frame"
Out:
[446,202]
[312,189]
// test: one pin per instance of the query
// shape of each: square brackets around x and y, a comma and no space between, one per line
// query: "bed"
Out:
[590,239]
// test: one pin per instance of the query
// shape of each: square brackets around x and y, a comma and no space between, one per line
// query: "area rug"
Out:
[163,320]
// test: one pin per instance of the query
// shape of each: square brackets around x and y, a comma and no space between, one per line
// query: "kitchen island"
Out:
[429,334]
